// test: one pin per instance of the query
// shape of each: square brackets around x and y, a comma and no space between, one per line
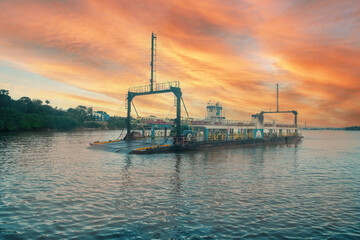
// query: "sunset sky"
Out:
[90,52]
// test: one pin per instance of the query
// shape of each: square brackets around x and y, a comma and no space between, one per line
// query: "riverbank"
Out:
[353,128]
[27,114]
[64,131]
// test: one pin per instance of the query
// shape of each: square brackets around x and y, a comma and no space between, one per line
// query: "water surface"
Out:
[53,186]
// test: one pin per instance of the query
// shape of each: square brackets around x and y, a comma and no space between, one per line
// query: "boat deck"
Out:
[196,145]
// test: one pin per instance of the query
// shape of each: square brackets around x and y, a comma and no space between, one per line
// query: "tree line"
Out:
[32,114]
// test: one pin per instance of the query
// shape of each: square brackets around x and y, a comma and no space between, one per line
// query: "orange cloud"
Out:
[229,51]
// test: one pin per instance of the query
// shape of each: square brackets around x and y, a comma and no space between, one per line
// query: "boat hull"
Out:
[220,144]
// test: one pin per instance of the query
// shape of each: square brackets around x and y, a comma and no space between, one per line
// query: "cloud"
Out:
[228,51]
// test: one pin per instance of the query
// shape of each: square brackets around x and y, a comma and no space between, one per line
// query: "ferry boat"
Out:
[216,131]
[157,135]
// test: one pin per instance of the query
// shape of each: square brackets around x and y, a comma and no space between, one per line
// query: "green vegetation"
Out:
[115,123]
[354,128]
[26,114]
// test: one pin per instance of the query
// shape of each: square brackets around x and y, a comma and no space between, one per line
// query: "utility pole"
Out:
[277,97]
[153,60]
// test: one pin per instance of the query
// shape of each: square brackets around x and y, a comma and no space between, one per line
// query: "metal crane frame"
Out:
[165,87]
[176,90]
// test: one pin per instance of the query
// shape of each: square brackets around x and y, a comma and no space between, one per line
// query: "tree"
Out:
[90,112]
[31,121]
[82,110]
[37,102]
[5,99]
[66,123]
[26,114]
[115,122]
[26,100]
[11,118]
[4,92]
[81,107]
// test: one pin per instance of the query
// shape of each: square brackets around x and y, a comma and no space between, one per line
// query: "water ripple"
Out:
[54,187]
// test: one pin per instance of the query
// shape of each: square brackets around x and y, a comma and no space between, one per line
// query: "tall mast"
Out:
[277,97]
[153,60]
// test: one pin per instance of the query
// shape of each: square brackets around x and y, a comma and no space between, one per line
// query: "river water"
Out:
[53,186]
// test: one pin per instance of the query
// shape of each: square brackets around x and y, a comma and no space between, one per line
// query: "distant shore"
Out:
[27,114]
[82,129]
[65,131]
[354,128]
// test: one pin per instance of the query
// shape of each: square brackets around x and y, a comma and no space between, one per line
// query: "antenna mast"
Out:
[153,60]
[277,97]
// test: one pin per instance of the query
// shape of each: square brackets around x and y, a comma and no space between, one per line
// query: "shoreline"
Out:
[64,131]
[107,129]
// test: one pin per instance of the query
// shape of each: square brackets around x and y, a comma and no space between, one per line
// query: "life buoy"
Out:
[188,137]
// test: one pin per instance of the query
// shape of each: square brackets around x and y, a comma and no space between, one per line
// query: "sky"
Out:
[89,52]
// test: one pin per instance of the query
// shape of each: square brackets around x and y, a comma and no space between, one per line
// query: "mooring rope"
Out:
[188,115]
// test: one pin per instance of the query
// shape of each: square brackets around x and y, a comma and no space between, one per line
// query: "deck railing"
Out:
[157,87]
[199,121]
[204,122]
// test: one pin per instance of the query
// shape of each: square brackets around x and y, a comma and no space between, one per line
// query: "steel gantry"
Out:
[260,115]
[152,88]
[166,87]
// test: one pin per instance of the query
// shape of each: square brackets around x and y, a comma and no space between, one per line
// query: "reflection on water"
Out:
[54,186]
[176,176]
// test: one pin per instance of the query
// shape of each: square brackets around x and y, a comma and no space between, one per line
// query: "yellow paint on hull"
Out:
[144,148]
[99,143]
